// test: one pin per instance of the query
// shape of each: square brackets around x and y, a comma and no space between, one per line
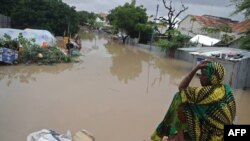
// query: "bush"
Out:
[48,55]
[177,41]
[245,42]
[33,53]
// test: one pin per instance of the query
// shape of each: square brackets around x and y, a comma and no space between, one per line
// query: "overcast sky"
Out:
[220,8]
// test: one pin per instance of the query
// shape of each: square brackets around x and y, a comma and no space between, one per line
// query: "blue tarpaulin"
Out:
[8,55]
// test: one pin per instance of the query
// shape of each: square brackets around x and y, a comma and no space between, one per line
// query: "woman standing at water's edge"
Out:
[199,113]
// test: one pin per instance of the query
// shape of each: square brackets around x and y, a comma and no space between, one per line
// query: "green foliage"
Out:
[145,32]
[245,42]
[192,20]
[30,51]
[86,18]
[98,24]
[7,6]
[242,6]
[7,42]
[178,41]
[52,15]
[226,38]
[210,30]
[127,17]
[226,28]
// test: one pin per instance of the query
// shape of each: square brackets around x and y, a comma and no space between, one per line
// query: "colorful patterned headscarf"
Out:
[216,73]
[207,94]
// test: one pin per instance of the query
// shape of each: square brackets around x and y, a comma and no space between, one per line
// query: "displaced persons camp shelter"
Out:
[42,37]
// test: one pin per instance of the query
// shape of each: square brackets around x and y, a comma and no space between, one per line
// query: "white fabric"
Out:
[48,135]
[205,40]
[40,36]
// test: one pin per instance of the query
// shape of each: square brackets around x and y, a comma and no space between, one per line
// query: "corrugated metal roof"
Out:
[213,21]
[208,51]
[241,27]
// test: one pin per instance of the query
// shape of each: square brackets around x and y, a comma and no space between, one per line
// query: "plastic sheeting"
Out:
[49,135]
[42,37]
[8,55]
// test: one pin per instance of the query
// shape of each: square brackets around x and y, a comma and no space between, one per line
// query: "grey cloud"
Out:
[207,2]
[196,7]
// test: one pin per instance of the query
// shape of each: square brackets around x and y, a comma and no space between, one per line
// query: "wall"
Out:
[237,75]
[154,49]
[184,55]
[186,25]
[241,76]
[237,72]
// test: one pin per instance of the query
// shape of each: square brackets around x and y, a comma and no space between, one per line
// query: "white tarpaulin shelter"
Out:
[13,33]
[41,36]
[204,40]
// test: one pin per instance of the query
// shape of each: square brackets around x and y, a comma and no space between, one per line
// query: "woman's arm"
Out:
[186,81]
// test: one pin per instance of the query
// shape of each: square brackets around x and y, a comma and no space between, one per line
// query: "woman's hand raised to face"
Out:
[202,64]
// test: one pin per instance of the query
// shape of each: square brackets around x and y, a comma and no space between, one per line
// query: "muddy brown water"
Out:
[116,92]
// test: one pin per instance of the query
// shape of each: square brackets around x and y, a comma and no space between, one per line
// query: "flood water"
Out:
[116,92]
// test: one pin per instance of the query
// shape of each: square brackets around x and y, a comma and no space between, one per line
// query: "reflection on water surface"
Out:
[117,92]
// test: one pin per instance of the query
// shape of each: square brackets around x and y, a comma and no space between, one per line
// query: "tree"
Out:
[174,38]
[177,41]
[171,17]
[7,6]
[126,18]
[52,15]
[145,32]
[243,6]
[226,38]
[245,42]
[86,18]
[210,30]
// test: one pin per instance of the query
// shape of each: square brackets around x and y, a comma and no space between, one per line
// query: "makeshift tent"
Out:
[204,40]
[13,33]
[42,37]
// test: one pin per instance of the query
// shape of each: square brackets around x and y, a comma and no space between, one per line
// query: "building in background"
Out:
[192,25]
[239,30]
